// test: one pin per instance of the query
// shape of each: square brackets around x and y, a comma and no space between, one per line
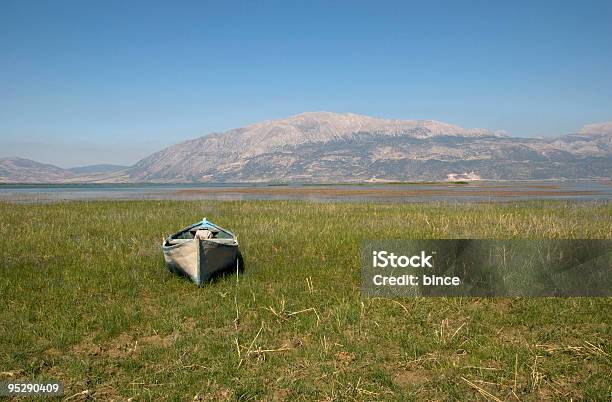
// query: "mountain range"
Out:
[332,147]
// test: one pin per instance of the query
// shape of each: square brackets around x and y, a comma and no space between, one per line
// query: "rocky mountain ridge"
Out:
[331,147]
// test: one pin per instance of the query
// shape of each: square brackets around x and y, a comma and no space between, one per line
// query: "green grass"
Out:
[86,299]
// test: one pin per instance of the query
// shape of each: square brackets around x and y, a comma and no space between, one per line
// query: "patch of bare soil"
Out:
[220,395]
[87,347]
[406,378]
[156,340]
[504,305]
[105,393]
[280,395]
[344,358]
[296,342]
[514,335]
[121,346]
[189,324]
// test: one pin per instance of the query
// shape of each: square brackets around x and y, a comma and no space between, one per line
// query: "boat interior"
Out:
[201,232]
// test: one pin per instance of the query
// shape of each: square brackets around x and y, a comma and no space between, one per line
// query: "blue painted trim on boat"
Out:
[207,223]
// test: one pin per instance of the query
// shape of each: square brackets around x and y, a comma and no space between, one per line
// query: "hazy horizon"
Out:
[110,83]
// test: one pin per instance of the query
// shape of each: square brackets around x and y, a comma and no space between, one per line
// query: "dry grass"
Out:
[86,299]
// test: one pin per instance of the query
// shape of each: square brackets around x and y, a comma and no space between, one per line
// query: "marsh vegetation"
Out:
[86,299]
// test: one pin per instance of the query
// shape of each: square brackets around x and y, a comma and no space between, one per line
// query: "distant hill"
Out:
[20,170]
[332,147]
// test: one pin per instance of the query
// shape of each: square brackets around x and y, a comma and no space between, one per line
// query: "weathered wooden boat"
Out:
[201,250]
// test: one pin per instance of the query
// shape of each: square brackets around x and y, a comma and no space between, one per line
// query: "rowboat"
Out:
[201,250]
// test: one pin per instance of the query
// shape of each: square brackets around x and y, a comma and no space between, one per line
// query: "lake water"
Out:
[481,191]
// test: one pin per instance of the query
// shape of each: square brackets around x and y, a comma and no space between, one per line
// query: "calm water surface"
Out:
[447,192]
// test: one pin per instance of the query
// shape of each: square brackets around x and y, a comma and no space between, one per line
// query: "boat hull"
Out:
[200,259]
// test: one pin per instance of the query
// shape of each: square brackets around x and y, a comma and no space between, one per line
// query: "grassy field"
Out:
[86,299]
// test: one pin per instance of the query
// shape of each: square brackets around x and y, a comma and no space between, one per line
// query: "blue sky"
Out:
[79,78]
